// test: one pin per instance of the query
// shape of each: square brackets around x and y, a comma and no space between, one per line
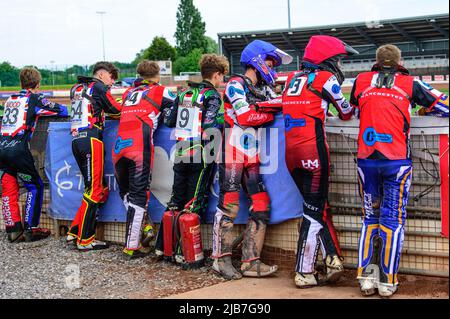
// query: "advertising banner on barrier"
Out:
[66,182]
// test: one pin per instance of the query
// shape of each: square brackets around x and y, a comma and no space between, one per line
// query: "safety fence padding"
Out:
[425,251]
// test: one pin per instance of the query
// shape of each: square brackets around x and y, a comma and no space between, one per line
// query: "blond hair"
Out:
[388,55]
[211,63]
[30,77]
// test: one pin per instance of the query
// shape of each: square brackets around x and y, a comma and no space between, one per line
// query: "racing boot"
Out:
[367,286]
[95,245]
[335,269]
[386,290]
[256,268]
[306,280]
[148,234]
[370,275]
[251,250]
[225,268]
[15,236]
[71,239]
[36,233]
[135,253]
[15,233]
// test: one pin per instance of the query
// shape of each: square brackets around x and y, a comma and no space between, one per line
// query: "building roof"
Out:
[412,29]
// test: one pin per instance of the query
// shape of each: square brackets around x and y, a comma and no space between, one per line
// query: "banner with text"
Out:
[66,182]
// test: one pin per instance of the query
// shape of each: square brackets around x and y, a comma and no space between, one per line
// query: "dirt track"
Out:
[282,287]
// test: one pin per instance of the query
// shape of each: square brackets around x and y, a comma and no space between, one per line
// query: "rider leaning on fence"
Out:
[197,116]
[240,165]
[91,98]
[16,161]
[383,99]
[133,151]
[305,103]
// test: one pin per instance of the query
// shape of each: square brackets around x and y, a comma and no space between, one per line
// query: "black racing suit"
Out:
[195,155]
[90,100]
[20,115]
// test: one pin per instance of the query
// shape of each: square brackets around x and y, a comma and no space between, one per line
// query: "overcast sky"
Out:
[69,32]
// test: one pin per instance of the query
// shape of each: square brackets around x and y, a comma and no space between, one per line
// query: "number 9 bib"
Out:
[189,120]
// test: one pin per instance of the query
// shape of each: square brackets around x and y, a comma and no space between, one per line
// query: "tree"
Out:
[190,33]
[189,63]
[212,46]
[9,75]
[159,50]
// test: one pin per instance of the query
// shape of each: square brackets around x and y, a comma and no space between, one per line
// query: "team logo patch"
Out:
[290,122]
[122,144]
[336,89]
[24,177]
[240,105]
[232,90]
[370,137]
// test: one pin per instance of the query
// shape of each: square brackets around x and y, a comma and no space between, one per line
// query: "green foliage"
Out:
[159,50]
[9,75]
[190,32]
[189,63]
[212,46]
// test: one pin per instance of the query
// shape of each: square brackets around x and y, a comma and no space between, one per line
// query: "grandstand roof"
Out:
[412,29]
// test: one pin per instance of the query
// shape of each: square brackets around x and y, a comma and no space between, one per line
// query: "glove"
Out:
[271,106]
[421,112]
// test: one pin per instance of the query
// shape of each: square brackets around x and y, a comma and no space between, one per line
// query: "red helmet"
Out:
[324,47]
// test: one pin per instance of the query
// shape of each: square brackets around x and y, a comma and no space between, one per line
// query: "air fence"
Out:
[426,250]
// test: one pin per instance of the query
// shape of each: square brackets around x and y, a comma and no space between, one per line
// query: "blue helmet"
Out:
[257,52]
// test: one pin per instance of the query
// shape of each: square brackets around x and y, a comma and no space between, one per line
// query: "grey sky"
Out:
[69,32]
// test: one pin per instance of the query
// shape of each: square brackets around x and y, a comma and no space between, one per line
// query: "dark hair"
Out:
[211,63]
[30,77]
[148,69]
[108,67]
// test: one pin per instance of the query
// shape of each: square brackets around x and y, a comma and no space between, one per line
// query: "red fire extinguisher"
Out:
[170,237]
[191,240]
[189,252]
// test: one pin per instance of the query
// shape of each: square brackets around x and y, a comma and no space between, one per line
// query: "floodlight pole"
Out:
[53,73]
[289,13]
[101,13]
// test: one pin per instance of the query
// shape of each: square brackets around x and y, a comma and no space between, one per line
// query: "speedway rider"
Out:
[240,163]
[196,112]
[305,103]
[384,98]
[91,98]
[133,151]
[20,115]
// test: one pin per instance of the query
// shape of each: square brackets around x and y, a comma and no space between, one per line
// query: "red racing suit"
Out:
[90,100]
[133,151]
[305,104]
[384,98]
[21,113]
[240,167]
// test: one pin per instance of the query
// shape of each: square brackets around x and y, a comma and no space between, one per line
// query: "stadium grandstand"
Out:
[423,41]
